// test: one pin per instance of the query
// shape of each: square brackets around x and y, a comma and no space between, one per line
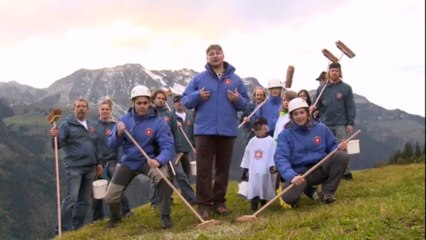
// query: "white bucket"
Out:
[242,188]
[194,168]
[99,188]
[353,147]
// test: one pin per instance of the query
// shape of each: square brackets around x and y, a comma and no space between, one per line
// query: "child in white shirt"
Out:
[284,117]
[259,160]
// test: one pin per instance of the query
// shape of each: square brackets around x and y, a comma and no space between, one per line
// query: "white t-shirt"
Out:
[181,115]
[84,123]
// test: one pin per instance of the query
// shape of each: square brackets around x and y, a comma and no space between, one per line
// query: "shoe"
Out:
[222,210]
[348,177]
[154,206]
[205,212]
[254,206]
[327,198]
[112,223]
[166,221]
[315,196]
[127,214]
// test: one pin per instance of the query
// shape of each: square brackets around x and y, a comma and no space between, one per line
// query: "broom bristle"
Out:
[348,52]
[289,77]
[54,115]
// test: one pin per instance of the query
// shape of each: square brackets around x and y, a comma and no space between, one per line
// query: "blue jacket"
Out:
[271,112]
[152,134]
[299,148]
[217,115]
[80,146]
[104,130]
[337,105]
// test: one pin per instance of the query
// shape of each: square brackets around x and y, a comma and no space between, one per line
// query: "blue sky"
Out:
[45,40]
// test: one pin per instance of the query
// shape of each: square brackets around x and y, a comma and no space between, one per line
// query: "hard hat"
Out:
[297,103]
[275,83]
[140,91]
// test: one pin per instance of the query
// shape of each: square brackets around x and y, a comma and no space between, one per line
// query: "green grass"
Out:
[381,203]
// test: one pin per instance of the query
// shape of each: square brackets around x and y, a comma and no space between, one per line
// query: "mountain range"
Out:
[27,189]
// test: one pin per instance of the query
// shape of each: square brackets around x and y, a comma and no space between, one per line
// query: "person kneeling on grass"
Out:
[303,143]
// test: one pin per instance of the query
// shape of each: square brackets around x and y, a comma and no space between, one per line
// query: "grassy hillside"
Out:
[381,203]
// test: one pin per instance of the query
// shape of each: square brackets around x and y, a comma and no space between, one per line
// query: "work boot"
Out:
[327,198]
[205,212]
[221,209]
[113,222]
[166,221]
[348,177]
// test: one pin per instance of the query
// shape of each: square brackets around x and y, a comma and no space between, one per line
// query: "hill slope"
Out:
[382,203]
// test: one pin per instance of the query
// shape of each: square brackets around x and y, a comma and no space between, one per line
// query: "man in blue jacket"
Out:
[216,94]
[337,106]
[154,136]
[303,143]
[80,146]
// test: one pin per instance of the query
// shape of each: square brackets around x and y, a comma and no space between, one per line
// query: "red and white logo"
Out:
[107,132]
[166,119]
[317,140]
[258,154]
[148,131]
[339,96]
[227,82]
[91,130]
[188,123]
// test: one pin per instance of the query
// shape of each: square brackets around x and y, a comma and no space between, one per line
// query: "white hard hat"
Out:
[140,91]
[274,83]
[297,103]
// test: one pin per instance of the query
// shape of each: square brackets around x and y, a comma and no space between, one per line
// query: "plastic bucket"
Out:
[353,147]
[242,188]
[99,188]
[194,168]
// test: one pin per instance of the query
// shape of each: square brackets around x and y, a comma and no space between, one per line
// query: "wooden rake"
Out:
[204,223]
[254,216]
[54,115]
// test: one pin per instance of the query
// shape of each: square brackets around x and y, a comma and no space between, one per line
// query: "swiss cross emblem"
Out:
[91,130]
[258,154]
[227,81]
[317,140]
[148,131]
[339,95]
[188,123]
[108,132]
[166,119]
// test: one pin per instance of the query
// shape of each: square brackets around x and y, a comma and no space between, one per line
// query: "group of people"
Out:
[282,136]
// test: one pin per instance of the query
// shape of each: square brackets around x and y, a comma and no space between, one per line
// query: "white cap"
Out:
[297,103]
[140,91]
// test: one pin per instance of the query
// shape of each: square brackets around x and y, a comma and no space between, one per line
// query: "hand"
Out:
[54,132]
[153,163]
[312,109]
[342,146]
[349,130]
[246,120]
[272,169]
[204,94]
[120,128]
[298,180]
[232,96]
[179,124]
[99,170]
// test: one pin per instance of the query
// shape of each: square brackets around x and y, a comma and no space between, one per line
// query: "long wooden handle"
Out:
[58,190]
[304,175]
[163,176]
[319,96]
[254,111]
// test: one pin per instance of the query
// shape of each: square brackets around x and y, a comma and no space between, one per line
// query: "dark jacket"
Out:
[188,128]
[104,130]
[80,146]
[336,105]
